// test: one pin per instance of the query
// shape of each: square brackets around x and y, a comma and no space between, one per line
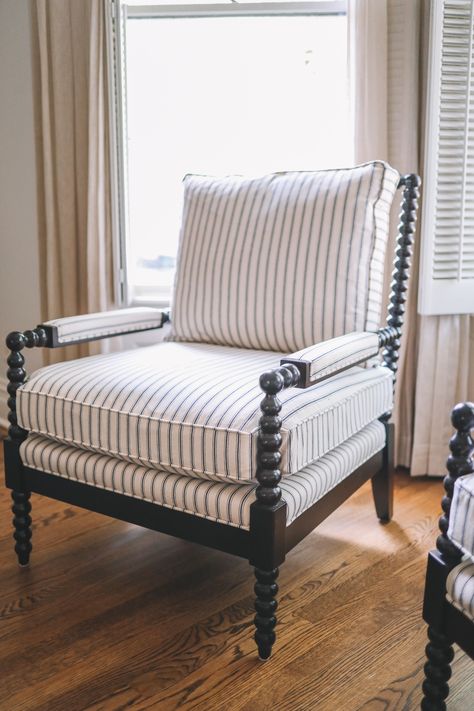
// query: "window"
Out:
[229,87]
[447,240]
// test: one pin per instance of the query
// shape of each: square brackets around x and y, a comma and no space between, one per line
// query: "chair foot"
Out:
[440,653]
[22,524]
[382,491]
[266,590]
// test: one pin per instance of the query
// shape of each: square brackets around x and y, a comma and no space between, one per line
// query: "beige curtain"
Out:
[445,376]
[388,47]
[73,158]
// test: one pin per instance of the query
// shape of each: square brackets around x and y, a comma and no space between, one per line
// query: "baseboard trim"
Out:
[3,403]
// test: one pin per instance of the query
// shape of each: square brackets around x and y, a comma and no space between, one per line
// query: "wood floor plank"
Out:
[110,616]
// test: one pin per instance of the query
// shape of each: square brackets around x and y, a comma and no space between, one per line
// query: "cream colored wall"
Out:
[19,263]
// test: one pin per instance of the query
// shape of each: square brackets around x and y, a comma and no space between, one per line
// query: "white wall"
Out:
[19,264]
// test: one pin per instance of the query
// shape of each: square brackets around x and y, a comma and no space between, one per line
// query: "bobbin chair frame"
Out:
[446,624]
[268,539]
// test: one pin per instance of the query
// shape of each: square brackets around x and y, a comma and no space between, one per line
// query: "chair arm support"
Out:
[272,382]
[92,327]
[325,359]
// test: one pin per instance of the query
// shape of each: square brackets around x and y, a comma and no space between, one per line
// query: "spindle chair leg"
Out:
[440,654]
[22,524]
[266,604]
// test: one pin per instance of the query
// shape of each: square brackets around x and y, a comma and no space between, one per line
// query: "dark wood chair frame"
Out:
[269,539]
[446,624]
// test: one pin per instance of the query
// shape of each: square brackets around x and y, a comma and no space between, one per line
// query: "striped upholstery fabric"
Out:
[290,259]
[105,323]
[193,408]
[224,502]
[325,358]
[460,588]
[461,515]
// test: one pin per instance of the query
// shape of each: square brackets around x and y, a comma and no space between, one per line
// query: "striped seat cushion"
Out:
[193,408]
[460,588]
[461,515]
[219,501]
[289,259]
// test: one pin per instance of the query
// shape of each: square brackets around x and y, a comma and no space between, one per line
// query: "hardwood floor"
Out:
[109,616]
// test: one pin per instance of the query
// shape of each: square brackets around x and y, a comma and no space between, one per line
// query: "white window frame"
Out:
[118,13]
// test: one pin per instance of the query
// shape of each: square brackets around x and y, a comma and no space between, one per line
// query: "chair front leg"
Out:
[266,590]
[16,373]
[22,524]
[440,654]
[268,512]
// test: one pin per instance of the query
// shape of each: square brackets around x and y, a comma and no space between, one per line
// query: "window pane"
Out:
[226,95]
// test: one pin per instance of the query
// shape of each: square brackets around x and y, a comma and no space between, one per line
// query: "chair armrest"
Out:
[91,327]
[327,358]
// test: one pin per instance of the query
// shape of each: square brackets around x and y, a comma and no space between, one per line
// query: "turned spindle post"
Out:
[401,272]
[268,496]
[439,650]
[390,335]
[16,374]
[459,463]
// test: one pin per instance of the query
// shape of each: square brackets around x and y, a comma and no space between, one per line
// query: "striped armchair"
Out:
[278,292]
[449,592]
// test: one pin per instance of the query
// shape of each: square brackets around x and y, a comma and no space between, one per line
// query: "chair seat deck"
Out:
[225,502]
[211,533]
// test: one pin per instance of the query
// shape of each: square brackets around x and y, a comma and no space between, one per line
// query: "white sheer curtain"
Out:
[388,42]
[73,158]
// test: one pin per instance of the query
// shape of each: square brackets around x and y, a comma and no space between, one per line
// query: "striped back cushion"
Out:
[282,261]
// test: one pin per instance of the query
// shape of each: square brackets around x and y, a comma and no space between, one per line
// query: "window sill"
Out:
[155,303]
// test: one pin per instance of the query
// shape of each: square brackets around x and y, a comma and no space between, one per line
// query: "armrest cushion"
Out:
[90,327]
[461,515]
[327,358]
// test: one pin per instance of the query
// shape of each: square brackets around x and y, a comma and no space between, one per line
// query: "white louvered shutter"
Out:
[447,247]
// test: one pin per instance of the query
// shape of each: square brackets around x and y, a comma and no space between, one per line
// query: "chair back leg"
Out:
[382,481]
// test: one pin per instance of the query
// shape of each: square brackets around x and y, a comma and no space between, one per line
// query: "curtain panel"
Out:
[73,159]
[388,42]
